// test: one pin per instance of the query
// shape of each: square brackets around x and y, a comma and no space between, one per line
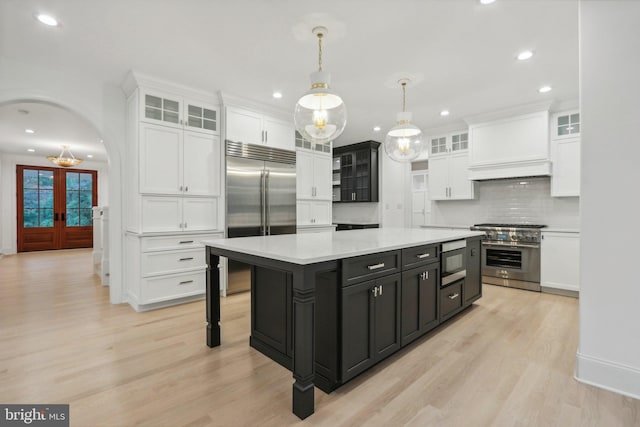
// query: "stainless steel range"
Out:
[511,255]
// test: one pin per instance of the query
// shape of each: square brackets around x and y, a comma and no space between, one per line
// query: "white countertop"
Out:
[461,227]
[317,247]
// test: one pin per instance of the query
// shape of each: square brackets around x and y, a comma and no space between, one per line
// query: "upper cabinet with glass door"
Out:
[450,143]
[172,110]
[301,142]
[566,124]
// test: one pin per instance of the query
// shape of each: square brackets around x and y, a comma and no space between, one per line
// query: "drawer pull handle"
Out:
[186,282]
[454,296]
[186,259]
[183,242]
[423,256]
[376,266]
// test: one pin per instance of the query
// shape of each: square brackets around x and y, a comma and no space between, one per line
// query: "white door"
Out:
[565,180]
[321,212]
[244,126]
[160,159]
[438,178]
[201,170]
[161,214]
[323,176]
[460,185]
[199,213]
[304,174]
[279,134]
[303,212]
[420,202]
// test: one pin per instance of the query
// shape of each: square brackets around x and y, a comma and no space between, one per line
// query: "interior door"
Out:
[55,208]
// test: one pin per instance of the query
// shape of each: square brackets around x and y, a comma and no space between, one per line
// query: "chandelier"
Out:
[404,142]
[65,161]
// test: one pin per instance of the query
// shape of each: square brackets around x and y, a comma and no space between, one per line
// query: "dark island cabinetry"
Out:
[366,308]
[357,165]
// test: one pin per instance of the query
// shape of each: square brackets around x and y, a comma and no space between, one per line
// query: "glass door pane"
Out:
[79,199]
[37,192]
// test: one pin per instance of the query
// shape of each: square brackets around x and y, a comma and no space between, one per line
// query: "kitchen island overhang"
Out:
[361,256]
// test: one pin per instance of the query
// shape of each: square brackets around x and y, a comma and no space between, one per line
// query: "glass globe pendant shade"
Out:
[404,142]
[320,115]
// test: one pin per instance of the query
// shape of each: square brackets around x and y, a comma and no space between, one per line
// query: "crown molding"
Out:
[135,79]
[517,110]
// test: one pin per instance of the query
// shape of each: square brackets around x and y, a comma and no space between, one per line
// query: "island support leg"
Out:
[303,344]
[213,299]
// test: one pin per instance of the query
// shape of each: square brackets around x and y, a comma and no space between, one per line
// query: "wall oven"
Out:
[453,263]
[511,255]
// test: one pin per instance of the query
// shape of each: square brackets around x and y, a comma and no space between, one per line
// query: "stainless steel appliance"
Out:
[261,198]
[511,255]
[453,264]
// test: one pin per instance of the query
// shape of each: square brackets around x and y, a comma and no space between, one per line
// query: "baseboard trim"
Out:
[608,375]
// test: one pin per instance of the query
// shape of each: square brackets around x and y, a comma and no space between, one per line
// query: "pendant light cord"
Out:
[404,95]
[320,51]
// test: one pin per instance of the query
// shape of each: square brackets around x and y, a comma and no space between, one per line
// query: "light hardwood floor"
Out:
[507,361]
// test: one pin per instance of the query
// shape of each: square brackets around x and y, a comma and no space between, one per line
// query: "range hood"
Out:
[510,147]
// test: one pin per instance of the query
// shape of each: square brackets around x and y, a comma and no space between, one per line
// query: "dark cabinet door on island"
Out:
[370,323]
[473,281]
[419,301]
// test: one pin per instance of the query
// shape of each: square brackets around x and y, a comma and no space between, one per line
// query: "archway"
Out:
[110,140]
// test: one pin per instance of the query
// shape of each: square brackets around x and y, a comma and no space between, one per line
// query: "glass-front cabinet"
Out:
[355,167]
[450,143]
[172,110]
[566,124]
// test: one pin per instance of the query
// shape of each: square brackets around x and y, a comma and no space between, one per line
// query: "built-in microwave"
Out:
[453,263]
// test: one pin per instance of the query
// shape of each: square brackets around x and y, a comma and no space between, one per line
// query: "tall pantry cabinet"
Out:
[174,162]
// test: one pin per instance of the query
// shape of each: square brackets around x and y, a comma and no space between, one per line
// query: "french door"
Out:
[55,208]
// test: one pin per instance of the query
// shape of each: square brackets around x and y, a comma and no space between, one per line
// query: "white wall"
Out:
[101,104]
[8,162]
[517,200]
[609,350]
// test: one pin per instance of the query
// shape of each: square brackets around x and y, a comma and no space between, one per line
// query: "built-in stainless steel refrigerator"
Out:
[261,198]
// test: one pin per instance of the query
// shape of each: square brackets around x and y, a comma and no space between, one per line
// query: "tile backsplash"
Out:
[518,200]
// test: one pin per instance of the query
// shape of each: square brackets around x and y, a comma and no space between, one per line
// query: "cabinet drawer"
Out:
[165,262]
[419,255]
[450,300]
[368,267]
[163,243]
[163,288]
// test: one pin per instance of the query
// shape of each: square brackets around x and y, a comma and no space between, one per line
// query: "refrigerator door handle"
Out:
[267,217]
[263,196]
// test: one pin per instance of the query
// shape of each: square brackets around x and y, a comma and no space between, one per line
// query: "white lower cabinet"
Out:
[165,270]
[313,212]
[560,262]
[167,214]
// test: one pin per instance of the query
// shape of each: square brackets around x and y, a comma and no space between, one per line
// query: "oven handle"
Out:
[516,246]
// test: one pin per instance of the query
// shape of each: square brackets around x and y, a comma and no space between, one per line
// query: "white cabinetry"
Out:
[448,168]
[565,154]
[174,174]
[420,200]
[510,147]
[256,128]
[313,188]
[560,262]
[177,162]
[163,270]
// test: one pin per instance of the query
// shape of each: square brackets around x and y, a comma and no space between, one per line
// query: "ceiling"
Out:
[461,54]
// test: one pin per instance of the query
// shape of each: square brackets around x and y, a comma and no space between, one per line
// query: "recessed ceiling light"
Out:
[524,55]
[47,19]
[444,113]
[90,156]
[486,1]
[30,131]
[544,89]
[277,95]
[101,141]
[376,128]
[31,150]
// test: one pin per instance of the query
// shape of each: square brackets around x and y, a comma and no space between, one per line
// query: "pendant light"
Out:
[320,115]
[65,161]
[404,142]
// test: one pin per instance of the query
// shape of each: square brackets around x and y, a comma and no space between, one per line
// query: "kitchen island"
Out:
[330,305]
